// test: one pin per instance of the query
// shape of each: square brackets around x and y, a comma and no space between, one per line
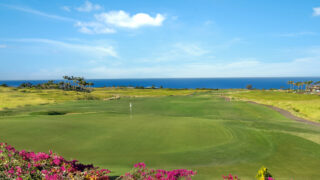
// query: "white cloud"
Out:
[3,46]
[316,11]
[174,18]
[108,22]
[184,64]
[208,22]
[94,28]
[66,8]
[95,50]
[123,19]
[88,7]
[183,52]
[179,53]
[314,51]
[39,13]
[242,68]
[191,49]
[298,34]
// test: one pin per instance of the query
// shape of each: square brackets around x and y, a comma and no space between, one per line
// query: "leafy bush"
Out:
[263,174]
[23,165]
[141,172]
[296,110]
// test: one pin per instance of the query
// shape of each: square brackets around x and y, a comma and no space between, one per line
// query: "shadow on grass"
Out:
[113,177]
[51,113]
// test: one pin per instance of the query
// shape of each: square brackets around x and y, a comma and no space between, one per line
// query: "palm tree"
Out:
[61,84]
[66,78]
[290,83]
[293,84]
[74,80]
[68,85]
[298,84]
[302,84]
[83,84]
[308,83]
[91,84]
[69,82]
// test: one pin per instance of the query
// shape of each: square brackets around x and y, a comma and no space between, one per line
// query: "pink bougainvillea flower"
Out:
[31,165]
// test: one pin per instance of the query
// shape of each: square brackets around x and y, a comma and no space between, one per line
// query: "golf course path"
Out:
[288,114]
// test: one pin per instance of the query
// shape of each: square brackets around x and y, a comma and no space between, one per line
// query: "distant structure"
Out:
[315,88]
[151,87]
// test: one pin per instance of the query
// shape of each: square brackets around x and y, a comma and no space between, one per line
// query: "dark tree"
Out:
[249,86]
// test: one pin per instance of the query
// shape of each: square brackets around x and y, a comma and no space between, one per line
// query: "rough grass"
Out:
[201,132]
[302,105]
[12,97]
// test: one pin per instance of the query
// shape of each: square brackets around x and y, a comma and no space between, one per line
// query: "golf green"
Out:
[199,132]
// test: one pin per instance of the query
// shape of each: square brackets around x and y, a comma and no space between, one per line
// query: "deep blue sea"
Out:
[215,83]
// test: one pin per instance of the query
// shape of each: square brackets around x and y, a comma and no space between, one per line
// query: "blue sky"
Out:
[159,39]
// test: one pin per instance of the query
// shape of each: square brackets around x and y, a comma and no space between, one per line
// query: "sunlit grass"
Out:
[12,97]
[302,105]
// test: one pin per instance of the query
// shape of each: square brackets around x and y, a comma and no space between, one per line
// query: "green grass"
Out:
[201,132]
[303,105]
[13,97]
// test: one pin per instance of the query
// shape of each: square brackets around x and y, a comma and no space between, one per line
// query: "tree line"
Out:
[302,85]
[69,83]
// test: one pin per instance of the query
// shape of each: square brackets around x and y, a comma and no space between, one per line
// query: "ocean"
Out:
[192,83]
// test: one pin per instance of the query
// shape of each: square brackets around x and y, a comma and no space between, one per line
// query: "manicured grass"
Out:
[302,105]
[201,132]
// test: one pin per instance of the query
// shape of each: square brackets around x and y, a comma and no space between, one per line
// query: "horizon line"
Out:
[165,78]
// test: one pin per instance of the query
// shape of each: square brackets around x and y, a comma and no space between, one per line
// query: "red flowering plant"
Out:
[140,172]
[24,165]
[29,165]
[230,177]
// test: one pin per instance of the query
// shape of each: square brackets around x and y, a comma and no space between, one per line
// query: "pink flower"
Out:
[56,161]
[158,175]
[19,170]
[62,168]
[53,167]
[52,177]
[140,165]
[107,171]
[11,171]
